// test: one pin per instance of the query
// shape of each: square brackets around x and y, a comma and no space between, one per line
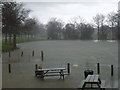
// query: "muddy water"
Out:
[81,55]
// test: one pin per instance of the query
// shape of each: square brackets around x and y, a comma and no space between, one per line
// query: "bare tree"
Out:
[99,20]
[112,20]
[70,32]
[78,25]
[31,27]
[119,24]
[54,28]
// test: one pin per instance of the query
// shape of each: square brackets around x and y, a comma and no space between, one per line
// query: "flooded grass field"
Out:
[81,55]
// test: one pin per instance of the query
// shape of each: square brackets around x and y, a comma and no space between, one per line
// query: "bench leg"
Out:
[60,76]
[82,89]
[102,88]
[91,85]
[63,77]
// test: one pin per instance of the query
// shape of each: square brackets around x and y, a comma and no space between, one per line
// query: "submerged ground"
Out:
[81,55]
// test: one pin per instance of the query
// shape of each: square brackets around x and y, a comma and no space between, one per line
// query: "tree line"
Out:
[102,28]
[16,22]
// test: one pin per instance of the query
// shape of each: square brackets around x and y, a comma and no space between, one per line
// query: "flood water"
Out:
[81,55]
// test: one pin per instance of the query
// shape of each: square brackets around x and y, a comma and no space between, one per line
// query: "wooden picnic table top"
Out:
[51,69]
[92,79]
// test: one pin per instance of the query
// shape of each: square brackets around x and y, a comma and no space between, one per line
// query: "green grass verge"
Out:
[22,40]
[6,47]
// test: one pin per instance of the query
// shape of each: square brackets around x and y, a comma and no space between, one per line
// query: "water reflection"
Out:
[105,40]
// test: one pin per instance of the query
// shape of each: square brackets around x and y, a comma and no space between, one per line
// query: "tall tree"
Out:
[70,32]
[79,22]
[13,14]
[87,32]
[31,27]
[54,28]
[99,20]
[112,20]
[119,24]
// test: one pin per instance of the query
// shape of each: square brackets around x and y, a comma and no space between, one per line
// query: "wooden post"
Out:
[9,68]
[33,53]
[112,70]
[98,68]
[21,53]
[68,68]
[42,57]
[36,66]
[9,54]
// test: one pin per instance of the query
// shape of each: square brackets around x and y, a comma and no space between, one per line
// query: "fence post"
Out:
[9,68]
[112,70]
[21,53]
[33,53]
[98,68]
[36,66]
[42,55]
[68,68]
[9,54]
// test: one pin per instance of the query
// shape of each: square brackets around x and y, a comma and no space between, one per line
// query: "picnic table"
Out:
[92,81]
[50,72]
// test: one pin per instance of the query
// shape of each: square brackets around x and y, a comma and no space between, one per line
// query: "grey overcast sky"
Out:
[68,9]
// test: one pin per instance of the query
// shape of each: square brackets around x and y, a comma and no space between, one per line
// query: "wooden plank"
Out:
[51,69]
[92,78]
[88,78]
[52,75]
[66,73]
[81,85]
[54,72]
[96,78]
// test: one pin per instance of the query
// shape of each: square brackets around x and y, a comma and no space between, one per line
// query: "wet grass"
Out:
[22,40]
[8,47]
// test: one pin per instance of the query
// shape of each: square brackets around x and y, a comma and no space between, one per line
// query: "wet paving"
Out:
[81,55]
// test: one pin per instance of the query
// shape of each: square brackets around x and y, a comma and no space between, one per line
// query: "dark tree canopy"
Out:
[13,14]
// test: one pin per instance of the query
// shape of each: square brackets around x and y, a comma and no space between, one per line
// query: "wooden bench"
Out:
[51,72]
[102,85]
[92,82]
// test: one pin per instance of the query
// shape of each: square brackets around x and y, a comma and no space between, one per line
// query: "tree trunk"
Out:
[5,38]
[31,36]
[21,36]
[10,38]
[98,33]
[28,36]
[14,41]
[112,32]
[118,35]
